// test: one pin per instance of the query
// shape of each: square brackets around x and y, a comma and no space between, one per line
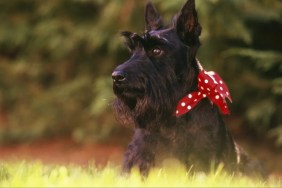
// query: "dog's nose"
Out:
[118,76]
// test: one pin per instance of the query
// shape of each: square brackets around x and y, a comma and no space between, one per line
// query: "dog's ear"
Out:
[127,40]
[152,18]
[187,25]
[132,40]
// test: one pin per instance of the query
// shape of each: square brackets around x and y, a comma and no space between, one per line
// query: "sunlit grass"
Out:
[36,174]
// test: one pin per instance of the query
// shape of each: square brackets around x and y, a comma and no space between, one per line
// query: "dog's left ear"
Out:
[187,25]
[152,18]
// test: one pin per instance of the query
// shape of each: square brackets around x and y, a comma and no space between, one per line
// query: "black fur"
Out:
[161,70]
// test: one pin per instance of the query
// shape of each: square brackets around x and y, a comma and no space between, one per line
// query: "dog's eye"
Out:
[157,51]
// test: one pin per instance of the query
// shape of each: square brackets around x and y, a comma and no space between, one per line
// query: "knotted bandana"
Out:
[209,85]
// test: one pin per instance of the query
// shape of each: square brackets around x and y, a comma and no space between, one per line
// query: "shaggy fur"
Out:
[161,70]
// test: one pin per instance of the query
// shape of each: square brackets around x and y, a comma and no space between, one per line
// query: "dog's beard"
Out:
[123,113]
[156,105]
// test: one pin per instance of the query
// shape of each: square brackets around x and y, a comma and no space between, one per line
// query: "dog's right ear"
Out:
[127,40]
[152,18]
[132,40]
[187,25]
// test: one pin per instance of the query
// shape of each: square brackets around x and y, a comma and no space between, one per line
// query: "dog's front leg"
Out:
[140,152]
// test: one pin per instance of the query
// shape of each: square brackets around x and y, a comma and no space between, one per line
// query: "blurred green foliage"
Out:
[56,58]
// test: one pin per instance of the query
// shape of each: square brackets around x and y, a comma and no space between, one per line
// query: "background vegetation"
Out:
[56,58]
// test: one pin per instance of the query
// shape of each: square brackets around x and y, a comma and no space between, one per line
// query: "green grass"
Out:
[36,174]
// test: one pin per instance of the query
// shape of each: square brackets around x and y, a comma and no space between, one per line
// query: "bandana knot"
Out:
[210,85]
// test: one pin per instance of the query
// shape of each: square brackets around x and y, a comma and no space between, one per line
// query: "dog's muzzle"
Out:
[118,77]
[124,87]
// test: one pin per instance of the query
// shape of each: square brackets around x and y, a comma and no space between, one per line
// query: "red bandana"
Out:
[209,85]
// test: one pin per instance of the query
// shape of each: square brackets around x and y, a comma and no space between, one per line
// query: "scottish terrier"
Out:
[174,105]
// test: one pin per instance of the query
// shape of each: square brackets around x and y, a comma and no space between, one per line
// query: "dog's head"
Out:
[162,67]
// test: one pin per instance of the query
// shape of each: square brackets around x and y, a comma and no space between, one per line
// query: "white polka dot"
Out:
[199,93]
[215,90]
[225,106]
[221,95]
[183,104]
[217,97]
[221,88]
[189,107]
[177,112]
[195,100]
[202,88]
[199,79]
[212,73]
[190,96]
[206,81]
[204,95]
[220,82]
[208,89]
[227,93]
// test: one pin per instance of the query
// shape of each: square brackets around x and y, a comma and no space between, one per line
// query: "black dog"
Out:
[162,70]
